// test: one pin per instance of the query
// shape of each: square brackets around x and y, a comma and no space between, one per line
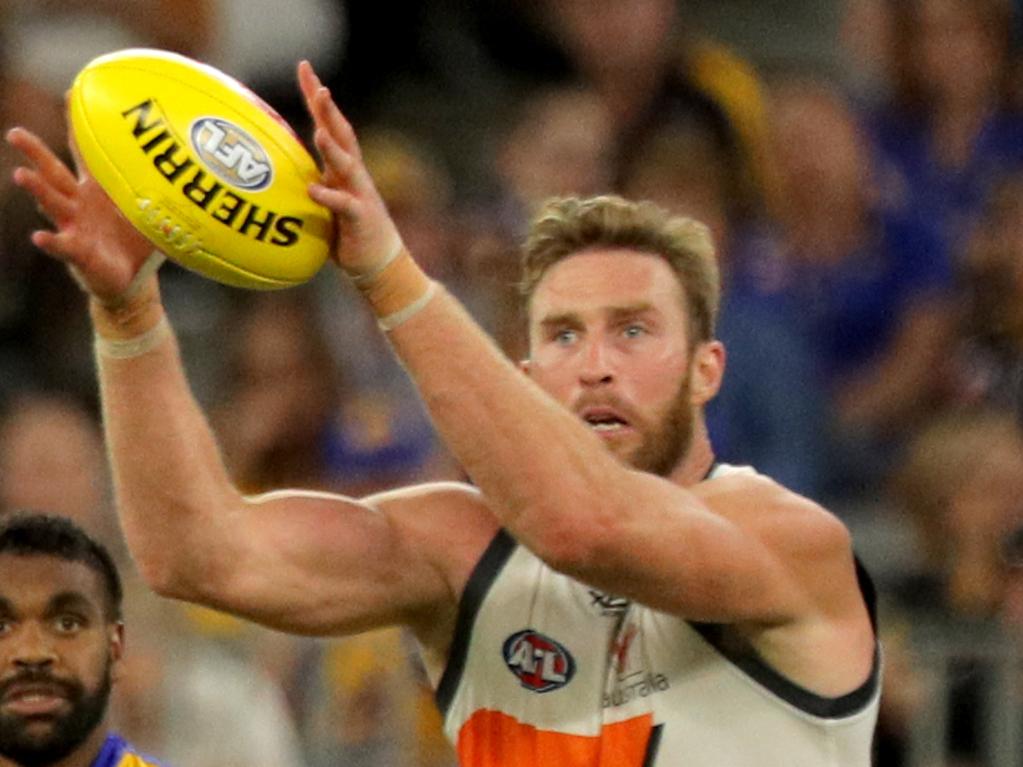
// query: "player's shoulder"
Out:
[754,499]
[445,516]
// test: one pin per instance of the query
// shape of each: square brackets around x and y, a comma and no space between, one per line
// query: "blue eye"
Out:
[565,337]
[634,331]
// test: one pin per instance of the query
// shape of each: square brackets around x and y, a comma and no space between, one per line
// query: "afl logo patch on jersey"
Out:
[231,153]
[540,663]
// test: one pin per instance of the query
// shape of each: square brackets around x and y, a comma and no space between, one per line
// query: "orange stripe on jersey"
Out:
[494,739]
[130,759]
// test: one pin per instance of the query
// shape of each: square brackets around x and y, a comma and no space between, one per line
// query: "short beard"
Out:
[67,733]
[664,449]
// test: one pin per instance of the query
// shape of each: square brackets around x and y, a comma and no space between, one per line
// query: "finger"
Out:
[342,203]
[343,169]
[68,248]
[326,114]
[36,150]
[334,156]
[308,81]
[52,203]
[54,245]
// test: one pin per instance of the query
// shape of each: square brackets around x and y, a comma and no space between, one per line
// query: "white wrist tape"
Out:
[149,266]
[127,348]
[362,279]
[391,321]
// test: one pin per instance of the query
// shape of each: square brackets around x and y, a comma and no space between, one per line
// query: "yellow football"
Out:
[207,171]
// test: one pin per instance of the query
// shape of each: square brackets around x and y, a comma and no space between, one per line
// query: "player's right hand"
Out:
[103,250]
[366,237]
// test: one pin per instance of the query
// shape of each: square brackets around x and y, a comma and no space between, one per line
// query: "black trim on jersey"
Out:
[482,577]
[747,659]
[653,745]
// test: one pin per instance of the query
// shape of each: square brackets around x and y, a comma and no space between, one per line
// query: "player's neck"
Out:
[86,753]
[698,460]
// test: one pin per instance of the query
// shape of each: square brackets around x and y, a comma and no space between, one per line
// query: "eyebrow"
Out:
[65,600]
[70,600]
[616,313]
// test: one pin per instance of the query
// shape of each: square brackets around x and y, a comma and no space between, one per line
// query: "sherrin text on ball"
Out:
[201,166]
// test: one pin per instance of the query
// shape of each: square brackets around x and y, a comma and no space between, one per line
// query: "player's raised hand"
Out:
[103,250]
[366,237]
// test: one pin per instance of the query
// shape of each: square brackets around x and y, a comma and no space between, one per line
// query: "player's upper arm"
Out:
[736,549]
[318,563]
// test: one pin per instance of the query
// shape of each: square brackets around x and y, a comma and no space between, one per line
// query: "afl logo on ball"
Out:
[540,663]
[231,153]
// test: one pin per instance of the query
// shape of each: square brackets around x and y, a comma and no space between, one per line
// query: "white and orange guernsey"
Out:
[544,670]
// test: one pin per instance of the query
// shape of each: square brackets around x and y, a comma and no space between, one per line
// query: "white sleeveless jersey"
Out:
[545,670]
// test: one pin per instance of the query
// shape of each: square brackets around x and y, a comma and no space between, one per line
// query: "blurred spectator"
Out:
[454,67]
[987,360]
[759,417]
[874,287]
[280,393]
[949,130]
[372,706]
[865,50]
[260,41]
[657,69]
[419,191]
[559,143]
[288,417]
[956,616]
[46,42]
[52,457]
[195,697]
[960,485]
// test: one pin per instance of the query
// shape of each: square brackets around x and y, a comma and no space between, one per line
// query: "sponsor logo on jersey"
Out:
[231,153]
[631,678]
[637,685]
[541,664]
[620,647]
[607,604]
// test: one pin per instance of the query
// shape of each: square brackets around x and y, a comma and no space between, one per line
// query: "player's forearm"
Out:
[171,488]
[535,462]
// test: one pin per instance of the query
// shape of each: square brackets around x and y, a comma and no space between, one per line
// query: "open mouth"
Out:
[34,699]
[604,421]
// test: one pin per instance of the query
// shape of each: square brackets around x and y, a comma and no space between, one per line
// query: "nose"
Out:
[596,368]
[33,648]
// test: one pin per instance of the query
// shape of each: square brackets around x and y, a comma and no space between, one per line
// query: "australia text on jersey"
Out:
[630,682]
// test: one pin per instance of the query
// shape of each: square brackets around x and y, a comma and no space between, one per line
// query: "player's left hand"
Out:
[366,236]
[102,249]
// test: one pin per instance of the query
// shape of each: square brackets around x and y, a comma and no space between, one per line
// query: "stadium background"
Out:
[859,162]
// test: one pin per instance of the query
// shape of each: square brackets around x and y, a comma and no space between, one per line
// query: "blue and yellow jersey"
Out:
[117,752]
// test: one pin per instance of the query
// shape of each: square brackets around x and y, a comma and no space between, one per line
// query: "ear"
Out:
[116,635]
[524,366]
[708,368]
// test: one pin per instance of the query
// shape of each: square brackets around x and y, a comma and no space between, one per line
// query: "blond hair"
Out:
[565,226]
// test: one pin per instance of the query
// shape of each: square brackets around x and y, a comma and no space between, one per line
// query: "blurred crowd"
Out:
[864,186]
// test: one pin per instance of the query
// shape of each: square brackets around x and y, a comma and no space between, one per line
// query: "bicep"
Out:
[318,563]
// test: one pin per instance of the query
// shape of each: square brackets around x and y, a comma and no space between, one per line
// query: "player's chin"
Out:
[625,443]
